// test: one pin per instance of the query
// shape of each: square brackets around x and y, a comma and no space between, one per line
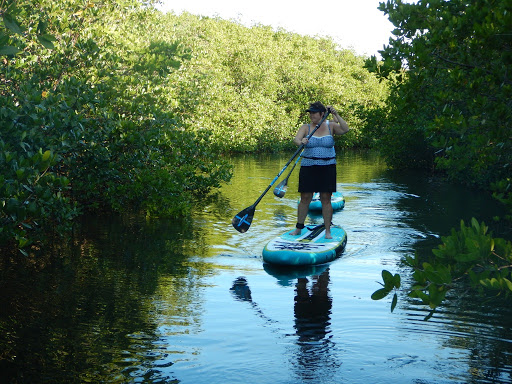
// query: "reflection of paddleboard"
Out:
[337,202]
[309,248]
[286,276]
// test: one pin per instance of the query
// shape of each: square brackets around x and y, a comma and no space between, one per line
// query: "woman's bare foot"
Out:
[296,232]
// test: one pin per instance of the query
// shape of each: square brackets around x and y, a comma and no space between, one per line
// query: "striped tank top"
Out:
[319,150]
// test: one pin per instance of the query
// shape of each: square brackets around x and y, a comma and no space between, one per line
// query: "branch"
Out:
[468,66]
[454,62]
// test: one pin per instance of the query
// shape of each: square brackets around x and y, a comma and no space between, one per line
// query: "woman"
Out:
[318,167]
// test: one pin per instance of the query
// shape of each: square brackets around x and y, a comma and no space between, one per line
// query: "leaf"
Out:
[387,277]
[436,295]
[380,294]
[47,155]
[495,283]
[11,24]
[41,27]
[508,283]
[420,295]
[397,281]
[45,42]
[49,37]
[4,39]
[393,303]
[475,224]
[22,242]
[9,50]
[410,261]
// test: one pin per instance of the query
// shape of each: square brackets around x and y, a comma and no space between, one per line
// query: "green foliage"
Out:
[450,103]
[16,36]
[91,124]
[32,198]
[249,87]
[502,191]
[469,257]
[391,283]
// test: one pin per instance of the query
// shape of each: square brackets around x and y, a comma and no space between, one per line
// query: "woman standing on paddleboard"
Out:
[318,167]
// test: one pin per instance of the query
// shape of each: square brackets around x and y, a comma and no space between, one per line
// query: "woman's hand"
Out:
[331,109]
[334,112]
[343,126]
[301,136]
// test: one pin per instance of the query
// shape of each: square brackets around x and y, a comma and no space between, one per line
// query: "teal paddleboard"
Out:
[337,202]
[309,248]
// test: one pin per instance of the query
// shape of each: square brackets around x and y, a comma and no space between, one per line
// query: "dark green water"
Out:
[189,301]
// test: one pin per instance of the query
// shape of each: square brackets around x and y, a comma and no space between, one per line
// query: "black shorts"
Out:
[318,178]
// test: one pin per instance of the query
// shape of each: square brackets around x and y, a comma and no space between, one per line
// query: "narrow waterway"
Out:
[190,301]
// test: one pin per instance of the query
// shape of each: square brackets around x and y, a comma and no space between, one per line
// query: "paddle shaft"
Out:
[299,150]
[280,189]
[291,170]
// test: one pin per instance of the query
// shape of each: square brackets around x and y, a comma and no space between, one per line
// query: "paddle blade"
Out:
[281,188]
[242,221]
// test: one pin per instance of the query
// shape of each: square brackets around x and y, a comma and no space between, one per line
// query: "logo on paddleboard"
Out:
[296,246]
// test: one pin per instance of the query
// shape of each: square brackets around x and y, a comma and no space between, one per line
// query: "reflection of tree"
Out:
[90,314]
[480,328]
[312,322]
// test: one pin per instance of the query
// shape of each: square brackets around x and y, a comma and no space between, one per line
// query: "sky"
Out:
[352,24]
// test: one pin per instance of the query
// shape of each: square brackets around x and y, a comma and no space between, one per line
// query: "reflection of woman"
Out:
[318,167]
[316,356]
[312,308]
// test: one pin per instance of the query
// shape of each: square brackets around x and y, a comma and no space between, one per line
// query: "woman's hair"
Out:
[316,107]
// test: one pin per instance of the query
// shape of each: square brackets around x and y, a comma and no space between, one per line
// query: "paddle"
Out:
[243,220]
[280,190]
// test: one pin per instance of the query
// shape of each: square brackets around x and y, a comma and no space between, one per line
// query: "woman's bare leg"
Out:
[302,210]
[325,198]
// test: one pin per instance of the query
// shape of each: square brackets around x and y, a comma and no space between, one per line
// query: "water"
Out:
[189,301]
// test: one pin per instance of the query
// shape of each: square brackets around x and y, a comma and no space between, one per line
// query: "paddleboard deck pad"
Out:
[309,248]
[337,202]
